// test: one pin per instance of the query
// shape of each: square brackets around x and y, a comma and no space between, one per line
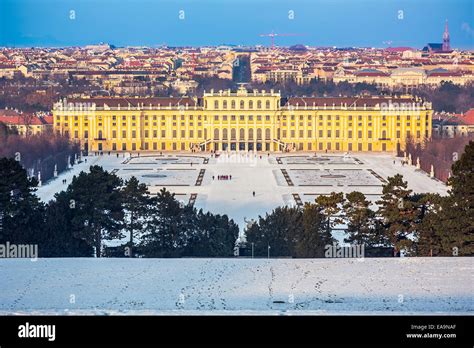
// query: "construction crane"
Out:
[273,35]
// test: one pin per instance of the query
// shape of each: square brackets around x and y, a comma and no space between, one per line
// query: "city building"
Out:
[244,120]
[26,123]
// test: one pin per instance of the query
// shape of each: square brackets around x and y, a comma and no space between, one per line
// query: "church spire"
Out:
[446,43]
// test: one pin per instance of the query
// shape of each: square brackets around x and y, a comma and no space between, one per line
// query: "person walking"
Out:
[253,193]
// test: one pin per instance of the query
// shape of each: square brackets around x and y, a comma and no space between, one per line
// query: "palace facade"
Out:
[242,121]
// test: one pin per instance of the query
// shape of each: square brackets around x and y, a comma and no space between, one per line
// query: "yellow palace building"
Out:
[242,121]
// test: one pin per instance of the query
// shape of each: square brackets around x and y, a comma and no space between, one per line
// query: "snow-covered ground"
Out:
[237,286]
[179,173]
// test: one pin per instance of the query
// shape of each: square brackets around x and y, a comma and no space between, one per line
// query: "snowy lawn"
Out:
[237,286]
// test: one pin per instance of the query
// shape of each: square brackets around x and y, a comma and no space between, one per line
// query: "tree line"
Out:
[42,153]
[419,224]
[98,208]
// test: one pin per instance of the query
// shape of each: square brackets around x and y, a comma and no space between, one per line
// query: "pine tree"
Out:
[314,235]
[167,231]
[362,226]
[21,212]
[279,230]
[136,203]
[330,206]
[397,212]
[213,236]
[58,238]
[97,199]
[461,211]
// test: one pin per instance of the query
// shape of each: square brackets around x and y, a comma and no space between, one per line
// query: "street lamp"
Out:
[252,250]
[268,250]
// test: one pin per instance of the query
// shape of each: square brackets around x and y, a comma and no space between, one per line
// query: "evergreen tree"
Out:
[97,202]
[279,230]
[58,239]
[169,228]
[314,235]
[330,206]
[460,213]
[213,236]
[397,212]
[362,226]
[430,229]
[136,203]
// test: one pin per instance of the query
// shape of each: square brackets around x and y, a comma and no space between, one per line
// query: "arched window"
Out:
[100,134]
[224,134]
[259,133]
[216,104]
[242,134]
[251,133]
[250,104]
[216,134]
[224,104]
[267,104]
[267,133]
[384,134]
[259,104]
[242,104]
[232,133]
[232,103]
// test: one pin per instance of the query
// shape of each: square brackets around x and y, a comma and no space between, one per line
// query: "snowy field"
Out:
[310,175]
[238,286]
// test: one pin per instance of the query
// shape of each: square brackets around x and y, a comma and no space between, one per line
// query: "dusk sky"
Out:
[339,23]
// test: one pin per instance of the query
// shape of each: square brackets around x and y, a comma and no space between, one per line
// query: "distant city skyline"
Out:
[341,23]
